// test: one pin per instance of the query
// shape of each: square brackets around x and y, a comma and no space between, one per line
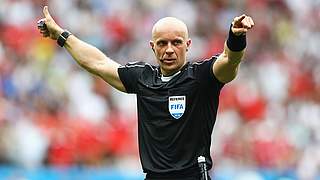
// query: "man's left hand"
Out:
[241,24]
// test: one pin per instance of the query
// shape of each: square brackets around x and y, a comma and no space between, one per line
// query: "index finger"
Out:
[240,18]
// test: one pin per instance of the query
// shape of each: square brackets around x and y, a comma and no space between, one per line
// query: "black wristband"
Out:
[63,38]
[236,43]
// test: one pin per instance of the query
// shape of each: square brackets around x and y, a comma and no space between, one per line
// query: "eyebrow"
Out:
[166,40]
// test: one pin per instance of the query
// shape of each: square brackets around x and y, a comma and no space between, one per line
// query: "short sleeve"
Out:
[129,75]
[205,75]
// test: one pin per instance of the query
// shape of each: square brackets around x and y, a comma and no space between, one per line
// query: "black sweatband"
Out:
[236,43]
[63,38]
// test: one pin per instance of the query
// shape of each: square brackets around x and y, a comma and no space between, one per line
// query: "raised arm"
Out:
[86,55]
[226,67]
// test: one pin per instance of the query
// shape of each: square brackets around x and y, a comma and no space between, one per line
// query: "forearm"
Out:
[227,65]
[233,58]
[86,55]
[94,61]
[235,47]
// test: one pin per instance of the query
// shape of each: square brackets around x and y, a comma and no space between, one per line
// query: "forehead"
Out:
[169,35]
[169,28]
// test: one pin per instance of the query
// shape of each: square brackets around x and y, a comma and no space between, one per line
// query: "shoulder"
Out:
[205,61]
[137,69]
[202,71]
[133,72]
[137,64]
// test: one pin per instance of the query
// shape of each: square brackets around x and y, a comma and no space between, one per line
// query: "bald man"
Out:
[177,100]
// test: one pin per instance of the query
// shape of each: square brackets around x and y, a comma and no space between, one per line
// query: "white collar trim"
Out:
[168,78]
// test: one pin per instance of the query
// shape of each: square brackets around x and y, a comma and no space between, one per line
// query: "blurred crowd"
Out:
[54,113]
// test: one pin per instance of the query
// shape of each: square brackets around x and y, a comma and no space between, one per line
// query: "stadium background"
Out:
[59,122]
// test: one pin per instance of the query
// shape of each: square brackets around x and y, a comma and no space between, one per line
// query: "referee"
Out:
[177,100]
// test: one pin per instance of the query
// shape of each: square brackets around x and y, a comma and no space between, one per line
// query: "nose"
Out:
[169,50]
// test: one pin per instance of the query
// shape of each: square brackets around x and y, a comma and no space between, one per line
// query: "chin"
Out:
[170,71]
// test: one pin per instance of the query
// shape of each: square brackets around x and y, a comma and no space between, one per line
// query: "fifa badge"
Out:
[177,106]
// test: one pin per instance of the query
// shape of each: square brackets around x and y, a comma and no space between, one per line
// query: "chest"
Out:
[171,101]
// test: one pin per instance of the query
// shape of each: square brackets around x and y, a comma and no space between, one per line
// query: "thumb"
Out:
[46,12]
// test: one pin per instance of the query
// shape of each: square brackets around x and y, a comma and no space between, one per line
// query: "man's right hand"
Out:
[51,29]
[86,55]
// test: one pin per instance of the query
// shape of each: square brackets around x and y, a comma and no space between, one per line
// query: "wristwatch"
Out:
[63,38]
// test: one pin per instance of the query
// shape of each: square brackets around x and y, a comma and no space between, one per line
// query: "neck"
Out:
[165,74]
[169,74]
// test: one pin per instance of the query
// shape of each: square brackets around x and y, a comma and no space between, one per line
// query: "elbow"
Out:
[227,79]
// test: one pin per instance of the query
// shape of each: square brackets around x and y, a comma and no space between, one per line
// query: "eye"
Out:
[177,42]
[161,43]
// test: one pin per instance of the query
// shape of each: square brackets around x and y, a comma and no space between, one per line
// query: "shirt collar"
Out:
[168,78]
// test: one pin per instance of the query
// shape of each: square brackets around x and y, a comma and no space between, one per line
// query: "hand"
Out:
[48,27]
[241,24]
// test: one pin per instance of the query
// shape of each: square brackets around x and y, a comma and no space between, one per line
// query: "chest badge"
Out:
[177,106]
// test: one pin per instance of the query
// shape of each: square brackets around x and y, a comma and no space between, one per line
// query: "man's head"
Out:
[170,42]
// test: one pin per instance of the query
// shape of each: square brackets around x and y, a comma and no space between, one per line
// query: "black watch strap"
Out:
[63,38]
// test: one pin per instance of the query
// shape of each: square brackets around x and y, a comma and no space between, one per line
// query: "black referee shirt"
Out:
[175,118]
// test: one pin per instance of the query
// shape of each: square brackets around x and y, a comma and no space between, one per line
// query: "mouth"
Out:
[168,60]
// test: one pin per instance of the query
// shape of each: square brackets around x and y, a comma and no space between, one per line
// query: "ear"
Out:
[151,45]
[188,43]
